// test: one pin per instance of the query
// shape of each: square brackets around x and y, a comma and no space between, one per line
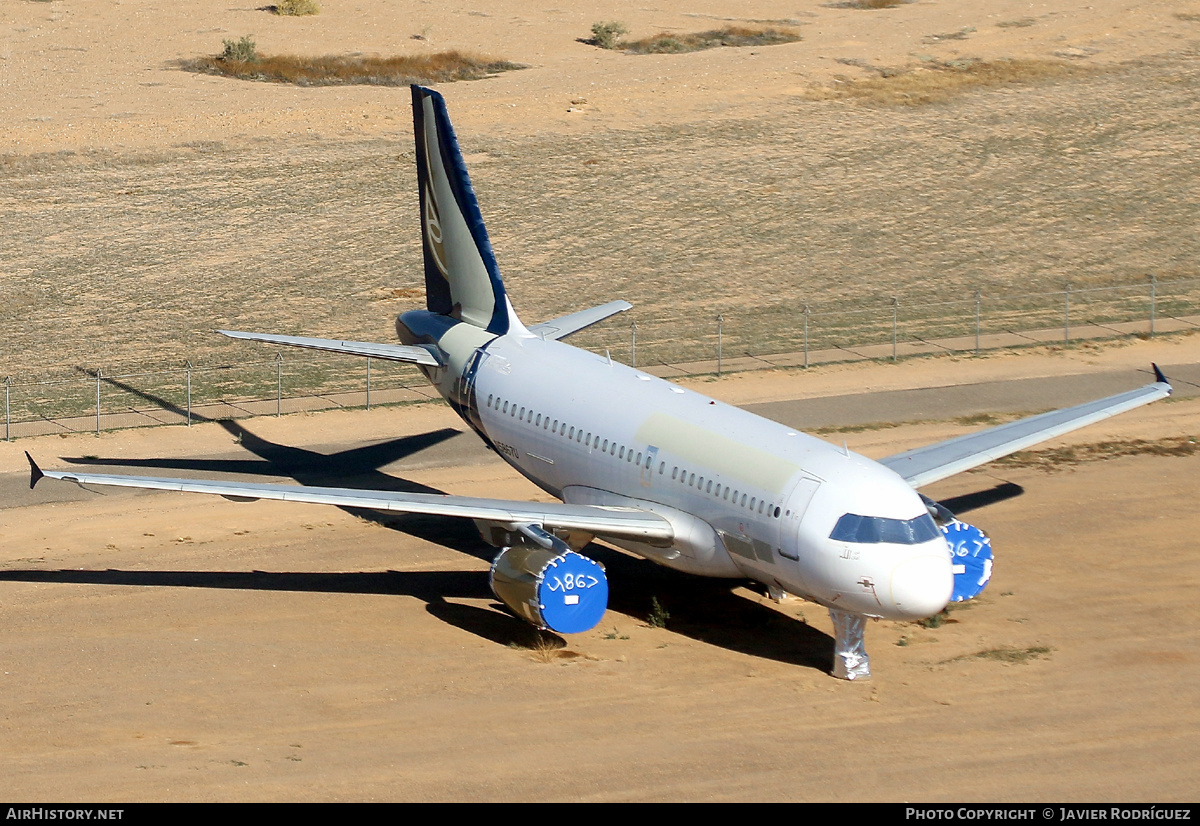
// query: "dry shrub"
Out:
[607,35]
[544,647]
[239,51]
[336,70]
[1055,457]
[666,43]
[1012,655]
[870,4]
[296,8]
[939,82]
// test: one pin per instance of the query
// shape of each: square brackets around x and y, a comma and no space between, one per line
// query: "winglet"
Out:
[35,472]
[1159,377]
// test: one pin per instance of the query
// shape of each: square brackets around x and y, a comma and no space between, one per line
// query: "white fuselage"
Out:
[747,497]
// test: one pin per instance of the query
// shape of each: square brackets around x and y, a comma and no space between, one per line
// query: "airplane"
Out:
[645,465]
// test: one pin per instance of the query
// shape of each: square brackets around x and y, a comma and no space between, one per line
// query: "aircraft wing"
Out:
[390,352]
[564,326]
[621,523]
[926,465]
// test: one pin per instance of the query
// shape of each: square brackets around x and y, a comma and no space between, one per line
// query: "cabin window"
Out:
[700,484]
[639,458]
[505,407]
[674,471]
[579,436]
[605,448]
[726,494]
[622,451]
[587,440]
[692,480]
[571,435]
[776,511]
[546,424]
[629,457]
[743,500]
[708,488]
[760,507]
[662,468]
[538,423]
[490,397]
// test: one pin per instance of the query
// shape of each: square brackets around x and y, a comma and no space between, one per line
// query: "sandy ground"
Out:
[171,647]
[81,75]
[164,647]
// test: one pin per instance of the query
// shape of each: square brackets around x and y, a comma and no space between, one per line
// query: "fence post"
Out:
[278,384]
[895,323]
[977,297]
[806,314]
[1067,314]
[99,373]
[1153,300]
[189,392]
[633,345]
[7,416]
[368,382]
[720,322]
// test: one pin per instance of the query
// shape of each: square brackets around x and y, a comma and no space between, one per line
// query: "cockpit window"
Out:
[874,529]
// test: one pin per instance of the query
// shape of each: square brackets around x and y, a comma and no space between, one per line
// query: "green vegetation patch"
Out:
[606,36]
[241,60]
[935,82]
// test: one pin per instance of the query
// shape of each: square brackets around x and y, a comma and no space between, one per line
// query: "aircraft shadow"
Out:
[708,610]
[967,502]
[702,609]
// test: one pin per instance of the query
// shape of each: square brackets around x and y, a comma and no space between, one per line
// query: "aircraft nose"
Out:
[922,585]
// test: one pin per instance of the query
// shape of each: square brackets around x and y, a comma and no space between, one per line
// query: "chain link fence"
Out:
[92,398]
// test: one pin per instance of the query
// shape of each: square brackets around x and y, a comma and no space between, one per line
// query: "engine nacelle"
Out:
[552,588]
[970,552]
[970,558]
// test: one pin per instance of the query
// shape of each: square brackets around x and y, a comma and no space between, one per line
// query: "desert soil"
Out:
[165,647]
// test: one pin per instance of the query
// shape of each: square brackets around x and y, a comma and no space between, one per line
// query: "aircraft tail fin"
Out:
[462,279]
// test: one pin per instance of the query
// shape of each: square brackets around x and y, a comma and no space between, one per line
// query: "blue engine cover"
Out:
[573,593]
[971,555]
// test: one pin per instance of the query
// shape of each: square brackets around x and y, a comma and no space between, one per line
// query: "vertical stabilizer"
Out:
[462,279]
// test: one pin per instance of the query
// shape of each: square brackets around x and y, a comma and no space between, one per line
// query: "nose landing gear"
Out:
[850,661]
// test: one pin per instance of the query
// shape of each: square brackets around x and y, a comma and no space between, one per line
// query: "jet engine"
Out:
[549,585]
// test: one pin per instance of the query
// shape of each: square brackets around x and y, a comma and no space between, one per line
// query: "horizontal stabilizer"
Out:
[620,523]
[926,465]
[390,352]
[560,328]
